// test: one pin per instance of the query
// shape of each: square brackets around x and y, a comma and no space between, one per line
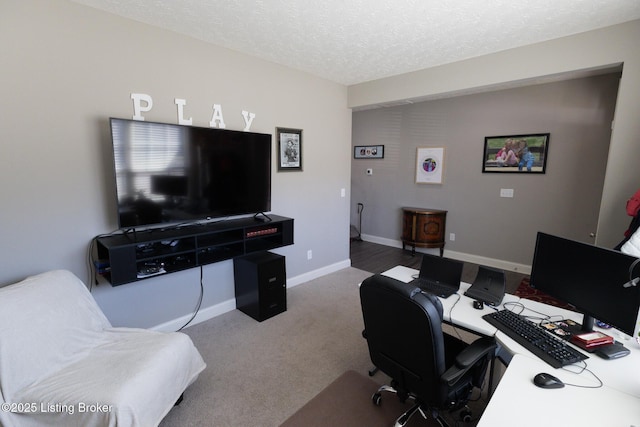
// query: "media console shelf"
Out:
[138,255]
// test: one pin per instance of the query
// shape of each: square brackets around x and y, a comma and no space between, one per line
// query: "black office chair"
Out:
[403,329]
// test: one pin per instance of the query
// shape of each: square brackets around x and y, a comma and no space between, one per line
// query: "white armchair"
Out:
[63,364]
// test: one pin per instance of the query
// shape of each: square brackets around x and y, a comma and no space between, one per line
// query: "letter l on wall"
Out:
[181,120]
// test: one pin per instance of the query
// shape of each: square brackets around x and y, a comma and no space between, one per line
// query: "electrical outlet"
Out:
[506,192]
[452,236]
[309,254]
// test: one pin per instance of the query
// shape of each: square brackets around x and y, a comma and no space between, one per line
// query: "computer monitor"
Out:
[595,280]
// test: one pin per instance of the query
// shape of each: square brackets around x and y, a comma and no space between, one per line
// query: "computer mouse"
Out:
[478,305]
[544,380]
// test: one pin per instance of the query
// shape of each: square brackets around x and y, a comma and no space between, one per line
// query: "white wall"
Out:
[592,50]
[67,68]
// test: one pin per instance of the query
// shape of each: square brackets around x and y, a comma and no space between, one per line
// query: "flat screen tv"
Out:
[169,173]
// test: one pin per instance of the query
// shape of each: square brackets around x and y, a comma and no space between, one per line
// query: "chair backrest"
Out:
[46,321]
[403,328]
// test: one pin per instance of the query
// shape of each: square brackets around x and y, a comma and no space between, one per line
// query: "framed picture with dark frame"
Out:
[516,153]
[368,152]
[289,149]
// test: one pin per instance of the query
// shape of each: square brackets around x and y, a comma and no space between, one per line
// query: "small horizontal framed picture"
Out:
[368,152]
[516,153]
[289,149]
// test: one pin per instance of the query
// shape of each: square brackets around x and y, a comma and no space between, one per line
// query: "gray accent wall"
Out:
[565,200]
[587,52]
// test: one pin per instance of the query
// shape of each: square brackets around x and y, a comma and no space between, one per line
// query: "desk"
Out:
[517,401]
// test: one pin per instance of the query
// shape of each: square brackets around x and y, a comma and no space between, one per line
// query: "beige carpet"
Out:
[347,402]
[260,373]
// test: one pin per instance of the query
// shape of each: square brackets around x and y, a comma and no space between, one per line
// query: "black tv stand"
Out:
[130,257]
[266,218]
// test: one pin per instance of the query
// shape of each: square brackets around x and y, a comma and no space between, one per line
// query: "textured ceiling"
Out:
[352,41]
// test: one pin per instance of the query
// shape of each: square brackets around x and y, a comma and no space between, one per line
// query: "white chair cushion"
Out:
[46,322]
[57,348]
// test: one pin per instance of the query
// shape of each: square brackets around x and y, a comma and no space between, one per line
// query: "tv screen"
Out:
[169,173]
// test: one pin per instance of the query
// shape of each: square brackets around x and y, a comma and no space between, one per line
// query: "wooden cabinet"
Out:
[423,228]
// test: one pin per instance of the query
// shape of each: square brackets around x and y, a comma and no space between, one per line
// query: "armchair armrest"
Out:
[468,358]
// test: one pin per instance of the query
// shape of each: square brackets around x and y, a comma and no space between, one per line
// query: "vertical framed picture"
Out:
[516,153]
[429,165]
[289,149]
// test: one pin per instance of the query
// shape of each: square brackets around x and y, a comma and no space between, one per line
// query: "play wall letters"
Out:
[143,103]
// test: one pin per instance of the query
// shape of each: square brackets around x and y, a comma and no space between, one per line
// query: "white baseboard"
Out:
[382,240]
[226,306]
[305,277]
[490,262]
[203,315]
[476,259]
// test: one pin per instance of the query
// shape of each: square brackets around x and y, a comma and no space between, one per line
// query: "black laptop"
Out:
[439,276]
[488,286]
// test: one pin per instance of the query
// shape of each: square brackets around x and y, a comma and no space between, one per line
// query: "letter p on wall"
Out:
[138,99]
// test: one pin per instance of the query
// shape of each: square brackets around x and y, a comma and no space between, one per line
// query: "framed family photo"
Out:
[429,165]
[289,149]
[516,153]
[368,152]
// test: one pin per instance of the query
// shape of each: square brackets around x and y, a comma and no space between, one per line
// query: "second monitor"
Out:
[590,278]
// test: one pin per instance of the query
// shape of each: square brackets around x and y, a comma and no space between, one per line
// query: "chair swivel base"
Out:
[405,417]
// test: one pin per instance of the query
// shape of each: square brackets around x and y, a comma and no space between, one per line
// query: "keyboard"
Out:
[550,349]
[433,287]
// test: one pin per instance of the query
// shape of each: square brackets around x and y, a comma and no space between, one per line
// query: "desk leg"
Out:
[502,356]
[491,373]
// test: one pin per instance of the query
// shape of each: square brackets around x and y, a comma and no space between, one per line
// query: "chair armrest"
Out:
[475,351]
[468,358]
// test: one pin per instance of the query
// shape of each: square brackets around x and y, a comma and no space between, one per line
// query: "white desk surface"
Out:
[517,401]
[622,374]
